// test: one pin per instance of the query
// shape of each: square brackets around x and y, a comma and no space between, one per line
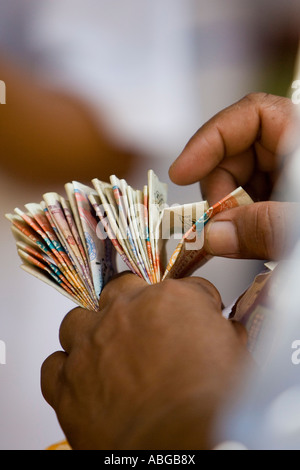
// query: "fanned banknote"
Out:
[71,241]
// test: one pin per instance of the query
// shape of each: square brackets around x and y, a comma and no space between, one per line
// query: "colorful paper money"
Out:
[71,242]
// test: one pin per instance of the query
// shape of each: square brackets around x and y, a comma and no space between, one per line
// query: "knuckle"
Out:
[123,286]
[267,234]
[202,287]
[168,289]
[257,97]
[113,320]
[68,319]
[267,100]
[208,287]
[169,285]
[118,306]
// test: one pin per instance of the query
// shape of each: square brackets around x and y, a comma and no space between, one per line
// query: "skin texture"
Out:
[150,371]
[239,147]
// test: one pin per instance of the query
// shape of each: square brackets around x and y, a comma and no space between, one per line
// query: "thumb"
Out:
[261,231]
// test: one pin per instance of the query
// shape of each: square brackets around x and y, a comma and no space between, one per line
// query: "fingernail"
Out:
[222,238]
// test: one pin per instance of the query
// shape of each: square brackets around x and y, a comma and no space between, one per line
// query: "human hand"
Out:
[239,147]
[150,371]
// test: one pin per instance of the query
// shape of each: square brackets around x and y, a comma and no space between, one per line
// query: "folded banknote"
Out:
[71,241]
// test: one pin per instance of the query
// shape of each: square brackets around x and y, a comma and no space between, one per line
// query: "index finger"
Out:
[256,118]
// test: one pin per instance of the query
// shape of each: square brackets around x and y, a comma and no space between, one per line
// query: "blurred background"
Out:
[100,87]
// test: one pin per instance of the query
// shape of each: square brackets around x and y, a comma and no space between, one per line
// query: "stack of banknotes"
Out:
[71,242]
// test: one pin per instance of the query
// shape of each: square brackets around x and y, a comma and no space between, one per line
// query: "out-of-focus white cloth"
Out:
[266,415]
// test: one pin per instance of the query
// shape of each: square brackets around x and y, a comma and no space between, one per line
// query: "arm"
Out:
[150,372]
[239,146]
